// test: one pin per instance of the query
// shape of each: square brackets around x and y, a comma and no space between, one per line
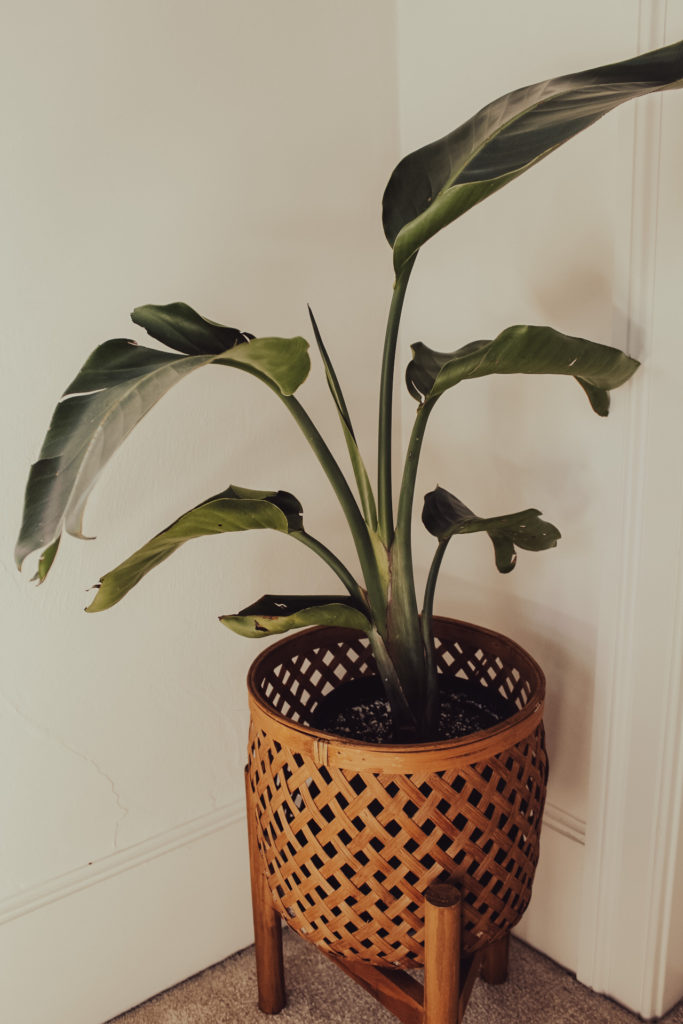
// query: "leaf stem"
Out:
[405,504]
[406,726]
[404,637]
[431,704]
[372,573]
[334,563]
[384,488]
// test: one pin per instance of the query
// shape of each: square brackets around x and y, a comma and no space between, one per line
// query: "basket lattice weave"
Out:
[351,834]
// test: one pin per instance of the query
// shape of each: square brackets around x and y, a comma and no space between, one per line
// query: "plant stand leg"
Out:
[443,926]
[494,967]
[270,974]
[449,974]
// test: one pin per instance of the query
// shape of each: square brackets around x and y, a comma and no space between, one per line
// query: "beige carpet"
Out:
[538,992]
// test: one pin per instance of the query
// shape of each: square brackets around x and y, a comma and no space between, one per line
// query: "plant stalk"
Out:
[372,573]
[404,720]
[405,639]
[405,505]
[432,702]
[384,487]
[402,546]
[334,563]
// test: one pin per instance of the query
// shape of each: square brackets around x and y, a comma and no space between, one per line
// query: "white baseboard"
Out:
[90,945]
[85,947]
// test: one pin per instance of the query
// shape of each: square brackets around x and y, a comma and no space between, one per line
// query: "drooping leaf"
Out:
[118,384]
[444,515]
[180,327]
[359,471]
[235,509]
[280,361]
[433,186]
[523,349]
[274,614]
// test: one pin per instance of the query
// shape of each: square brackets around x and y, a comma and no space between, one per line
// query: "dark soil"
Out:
[360,711]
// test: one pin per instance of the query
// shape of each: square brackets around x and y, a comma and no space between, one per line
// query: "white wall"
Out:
[539,252]
[232,156]
[589,242]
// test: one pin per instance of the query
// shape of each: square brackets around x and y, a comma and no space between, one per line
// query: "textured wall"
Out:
[232,156]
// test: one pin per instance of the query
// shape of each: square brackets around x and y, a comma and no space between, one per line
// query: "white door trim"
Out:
[637,768]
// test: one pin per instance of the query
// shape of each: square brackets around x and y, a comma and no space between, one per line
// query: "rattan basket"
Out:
[351,834]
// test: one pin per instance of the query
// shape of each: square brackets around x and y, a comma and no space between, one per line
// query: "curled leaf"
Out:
[523,349]
[436,184]
[444,515]
[273,614]
[179,327]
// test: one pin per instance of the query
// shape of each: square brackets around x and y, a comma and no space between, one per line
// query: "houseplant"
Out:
[427,191]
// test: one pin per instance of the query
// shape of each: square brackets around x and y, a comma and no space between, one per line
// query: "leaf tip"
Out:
[45,561]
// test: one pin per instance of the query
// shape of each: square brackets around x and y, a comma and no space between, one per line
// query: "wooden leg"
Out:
[270,974]
[494,968]
[443,924]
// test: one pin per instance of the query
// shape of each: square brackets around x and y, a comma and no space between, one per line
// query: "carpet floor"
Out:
[537,992]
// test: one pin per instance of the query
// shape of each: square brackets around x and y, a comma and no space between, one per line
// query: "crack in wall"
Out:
[44,731]
[234,724]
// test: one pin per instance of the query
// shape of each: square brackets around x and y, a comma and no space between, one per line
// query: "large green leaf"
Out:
[234,509]
[119,383]
[433,186]
[523,349]
[444,515]
[274,614]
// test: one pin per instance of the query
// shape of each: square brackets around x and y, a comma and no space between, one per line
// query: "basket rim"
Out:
[331,750]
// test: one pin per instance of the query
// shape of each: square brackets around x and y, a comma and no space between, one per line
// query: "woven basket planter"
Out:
[352,834]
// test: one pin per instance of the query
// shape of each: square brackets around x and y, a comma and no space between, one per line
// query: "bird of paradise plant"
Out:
[428,190]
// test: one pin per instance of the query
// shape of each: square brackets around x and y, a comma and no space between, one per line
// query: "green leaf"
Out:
[523,349]
[283,362]
[444,515]
[359,471]
[118,384]
[45,561]
[235,509]
[274,614]
[433,186]
[179,327]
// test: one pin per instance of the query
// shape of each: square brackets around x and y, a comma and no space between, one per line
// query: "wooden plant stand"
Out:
[449,975]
